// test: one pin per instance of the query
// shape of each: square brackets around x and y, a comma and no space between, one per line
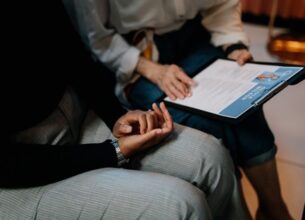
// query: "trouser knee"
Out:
[214,173]
[188,201]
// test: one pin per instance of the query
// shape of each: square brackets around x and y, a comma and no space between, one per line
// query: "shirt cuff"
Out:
[233,38]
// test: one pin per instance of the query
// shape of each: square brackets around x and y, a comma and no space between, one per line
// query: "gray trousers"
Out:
[188,176]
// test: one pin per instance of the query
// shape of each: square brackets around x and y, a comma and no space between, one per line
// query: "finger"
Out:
[156,109]
[150,121]
[243,57]
[130,117]
[124,129]
[173,89]
[183,77]
[148,139]
[181,87]
[167,117]
[155,118]
[160,118]
[169,93]
[142,123]
[234,55]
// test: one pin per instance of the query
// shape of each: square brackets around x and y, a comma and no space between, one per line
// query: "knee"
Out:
[184,201]
[207,152]
[214,154]
[214,173]
[153,196]
[210,163]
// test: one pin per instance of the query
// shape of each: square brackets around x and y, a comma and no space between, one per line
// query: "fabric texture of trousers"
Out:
[250,142]
[187,176]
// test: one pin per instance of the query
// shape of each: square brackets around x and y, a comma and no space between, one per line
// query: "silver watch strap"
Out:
[121,159]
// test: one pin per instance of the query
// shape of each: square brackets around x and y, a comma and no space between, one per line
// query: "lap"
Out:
[181,154]
[250,142]
[101,193]
[108,193]
[185,154]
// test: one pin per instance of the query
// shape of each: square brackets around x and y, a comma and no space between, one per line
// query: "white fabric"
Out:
[101,23]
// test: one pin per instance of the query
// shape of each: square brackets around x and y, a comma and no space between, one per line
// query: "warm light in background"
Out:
[288,47]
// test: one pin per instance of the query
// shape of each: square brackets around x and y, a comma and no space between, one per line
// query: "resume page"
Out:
[228,89]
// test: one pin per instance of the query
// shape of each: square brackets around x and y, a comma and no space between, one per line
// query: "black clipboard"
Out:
[255,103]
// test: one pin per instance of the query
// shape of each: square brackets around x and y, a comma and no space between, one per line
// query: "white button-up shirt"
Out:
[101,22]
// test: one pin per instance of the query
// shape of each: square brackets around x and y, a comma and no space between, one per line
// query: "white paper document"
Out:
[227,89]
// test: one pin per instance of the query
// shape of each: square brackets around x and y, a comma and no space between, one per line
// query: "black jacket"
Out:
[43,55]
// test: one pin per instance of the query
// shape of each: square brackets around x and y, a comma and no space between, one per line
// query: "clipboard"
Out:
[229,92]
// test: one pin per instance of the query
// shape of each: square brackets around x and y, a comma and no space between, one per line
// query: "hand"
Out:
[241,56]
[131,144]
[135,122]
[171,79]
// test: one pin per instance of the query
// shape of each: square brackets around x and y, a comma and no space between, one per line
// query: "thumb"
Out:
[124,129]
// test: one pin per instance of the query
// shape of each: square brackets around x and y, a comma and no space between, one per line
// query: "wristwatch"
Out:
[121,159]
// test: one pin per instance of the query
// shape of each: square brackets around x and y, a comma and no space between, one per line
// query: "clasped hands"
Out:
[138,130]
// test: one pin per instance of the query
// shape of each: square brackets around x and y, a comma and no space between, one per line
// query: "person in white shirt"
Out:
[155,47]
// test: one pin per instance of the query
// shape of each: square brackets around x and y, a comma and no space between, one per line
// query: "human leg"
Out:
[253,151]
[249,144]
[101,194]
[201,160]
[252,146]
[264,179]
[108,193]
[257,158]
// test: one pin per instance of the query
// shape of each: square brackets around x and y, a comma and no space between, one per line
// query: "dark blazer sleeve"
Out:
[55,46]
[25,165]
[97,90]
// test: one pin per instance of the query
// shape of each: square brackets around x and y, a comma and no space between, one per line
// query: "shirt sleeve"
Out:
[90,18]
[223,21]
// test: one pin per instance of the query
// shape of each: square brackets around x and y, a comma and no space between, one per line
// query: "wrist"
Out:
[122,160]
[230,48]
[146,68]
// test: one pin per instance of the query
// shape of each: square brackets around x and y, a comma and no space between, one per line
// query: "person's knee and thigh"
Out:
[197,158]
[201,160]
[105,193]
[108,194]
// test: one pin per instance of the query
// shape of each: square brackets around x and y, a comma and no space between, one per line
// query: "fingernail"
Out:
[126,127]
